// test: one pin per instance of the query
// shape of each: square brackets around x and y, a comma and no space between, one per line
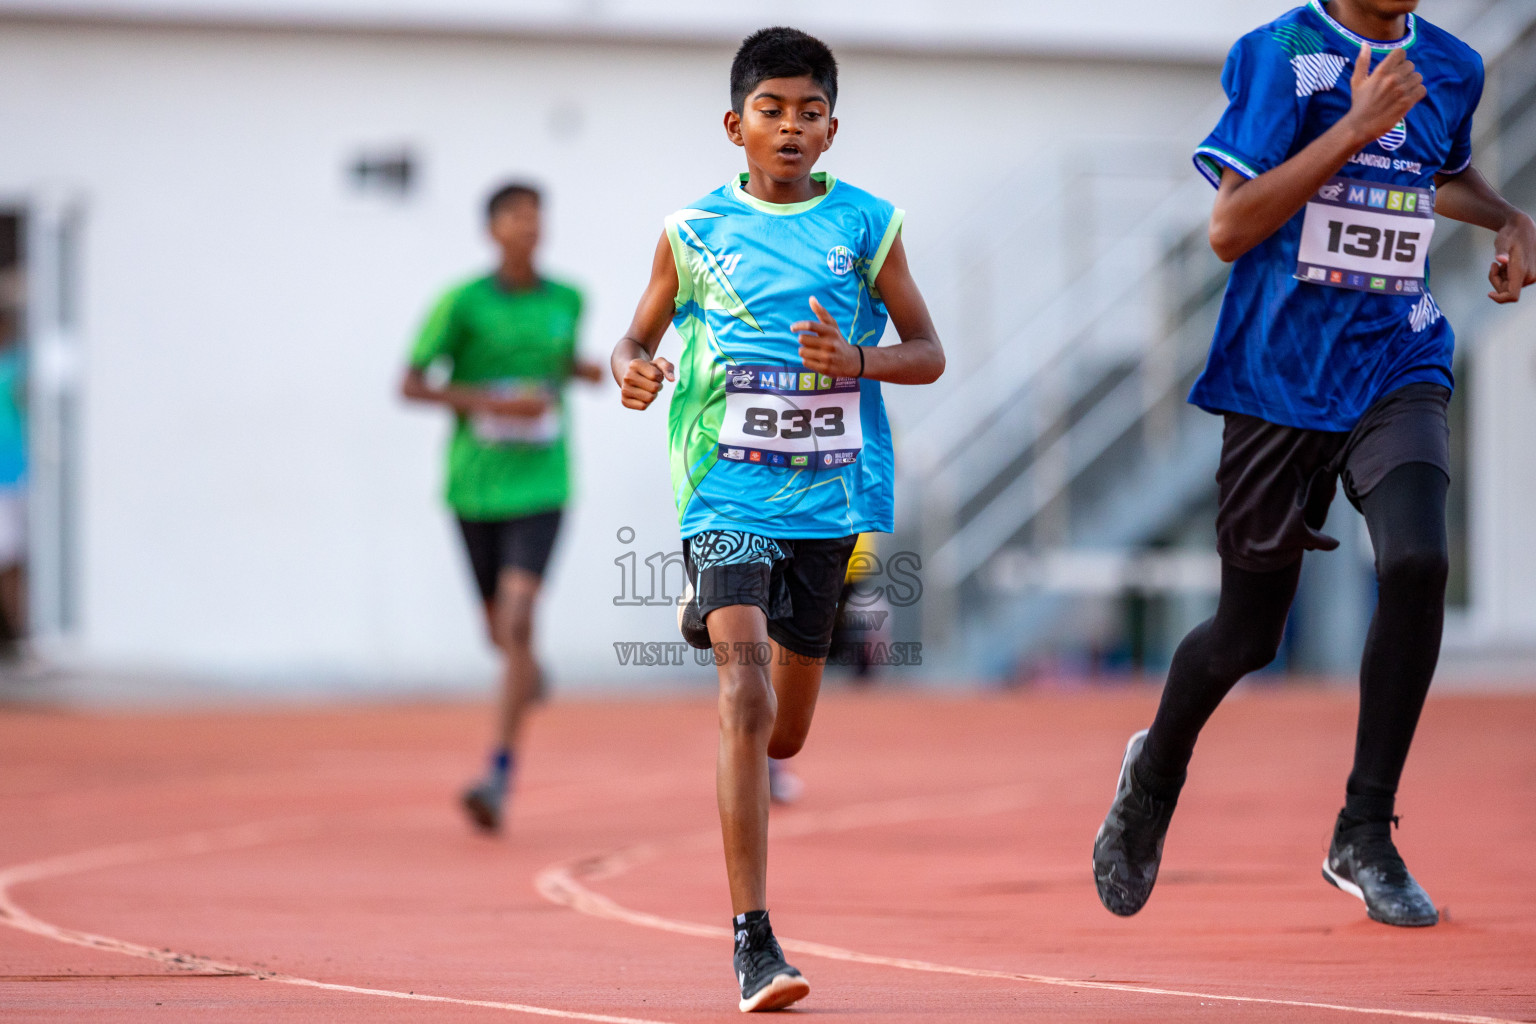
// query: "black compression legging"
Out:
[1405,514]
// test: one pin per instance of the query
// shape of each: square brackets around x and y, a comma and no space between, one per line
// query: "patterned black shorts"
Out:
[796,582]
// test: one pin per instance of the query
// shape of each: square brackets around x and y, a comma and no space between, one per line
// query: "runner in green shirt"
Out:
[508,342]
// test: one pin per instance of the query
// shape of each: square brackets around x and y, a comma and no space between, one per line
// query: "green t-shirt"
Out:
[516,341]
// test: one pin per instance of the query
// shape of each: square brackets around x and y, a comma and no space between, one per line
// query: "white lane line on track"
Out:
[562,884]
[194,843]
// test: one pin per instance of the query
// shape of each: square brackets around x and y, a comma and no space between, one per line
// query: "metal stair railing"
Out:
[1117,414]
[1042,342]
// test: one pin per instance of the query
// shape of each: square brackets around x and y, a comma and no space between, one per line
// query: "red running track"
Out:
[311,866]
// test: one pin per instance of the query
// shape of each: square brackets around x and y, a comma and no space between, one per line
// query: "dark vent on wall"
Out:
[391,173]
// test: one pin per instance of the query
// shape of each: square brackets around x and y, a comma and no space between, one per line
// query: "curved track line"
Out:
[562,884]
[207,842]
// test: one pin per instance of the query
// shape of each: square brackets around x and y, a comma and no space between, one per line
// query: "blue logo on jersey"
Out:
[840,259]
[1357,194]
[1356,280]
[786,381]
[1394,138]
[1378,198]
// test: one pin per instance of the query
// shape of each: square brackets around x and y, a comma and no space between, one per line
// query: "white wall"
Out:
[1192,29]
[1503,488]
[255,498]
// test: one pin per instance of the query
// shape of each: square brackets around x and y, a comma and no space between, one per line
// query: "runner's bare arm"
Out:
[1247,211]
[468,401]
[587,370]
[1468,197]
[634,364]
[918,359]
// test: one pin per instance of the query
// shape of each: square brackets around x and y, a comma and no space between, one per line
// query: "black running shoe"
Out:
[689,622]
[1129,846]
[483,802]
[1364,862]
[767,982]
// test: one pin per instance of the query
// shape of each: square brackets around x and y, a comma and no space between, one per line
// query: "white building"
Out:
[244,496]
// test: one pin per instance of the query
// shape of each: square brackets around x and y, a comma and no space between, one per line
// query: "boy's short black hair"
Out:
[509,192]
[781,53]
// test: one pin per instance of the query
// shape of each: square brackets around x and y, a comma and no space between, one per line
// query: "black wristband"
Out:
[861,359]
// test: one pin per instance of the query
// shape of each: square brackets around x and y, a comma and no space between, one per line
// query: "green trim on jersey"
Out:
[783,209]
[697,408]
[698,400]
[1376,45]
[1299,40]
[1211,160]
[694,263]
[878,260]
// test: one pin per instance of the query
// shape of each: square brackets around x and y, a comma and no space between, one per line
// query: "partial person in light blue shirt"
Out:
[13,484]
[779,283]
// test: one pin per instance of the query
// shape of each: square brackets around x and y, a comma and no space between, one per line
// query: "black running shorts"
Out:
[497,544]
[797,583]
[1275,483]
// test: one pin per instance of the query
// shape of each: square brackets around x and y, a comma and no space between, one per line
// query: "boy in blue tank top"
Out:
[1349,127]
[779,284]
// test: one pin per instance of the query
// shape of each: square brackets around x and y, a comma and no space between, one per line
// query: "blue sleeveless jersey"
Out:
[1316,355]
[757,442]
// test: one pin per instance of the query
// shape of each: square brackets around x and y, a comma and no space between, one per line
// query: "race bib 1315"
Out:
[1367,236]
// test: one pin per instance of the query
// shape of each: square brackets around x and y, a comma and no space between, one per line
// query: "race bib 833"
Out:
[790,416]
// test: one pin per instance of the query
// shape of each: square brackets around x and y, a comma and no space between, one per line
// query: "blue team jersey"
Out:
[758,443]
[1313,342]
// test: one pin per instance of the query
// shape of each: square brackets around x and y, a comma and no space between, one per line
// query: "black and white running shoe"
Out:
[689,622]
[1363,861]
[1129,846]
[767,982]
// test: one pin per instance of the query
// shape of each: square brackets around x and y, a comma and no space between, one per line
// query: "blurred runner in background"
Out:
[507,341]
[13,483]
[853,637]
[862,618]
